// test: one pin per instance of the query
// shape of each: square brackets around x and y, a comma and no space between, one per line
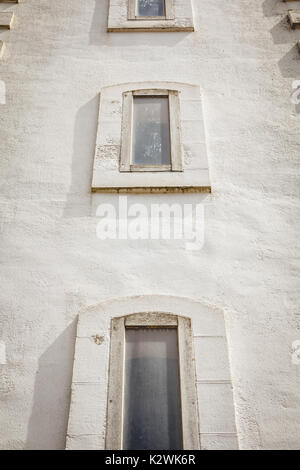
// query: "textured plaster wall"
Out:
[57,57]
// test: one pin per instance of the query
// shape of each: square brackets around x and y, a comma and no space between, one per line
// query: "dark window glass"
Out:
[150,7]
[151,131]
[152,414]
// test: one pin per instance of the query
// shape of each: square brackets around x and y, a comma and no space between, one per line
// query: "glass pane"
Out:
[152,414]
[151,131]
[150,7]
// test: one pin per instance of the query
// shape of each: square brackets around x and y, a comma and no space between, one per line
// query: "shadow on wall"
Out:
[99,22]
[48,422]
[289,64]
[275,7]
[283,34]
[85,133]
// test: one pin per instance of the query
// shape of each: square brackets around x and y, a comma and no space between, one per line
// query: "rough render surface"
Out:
[244,57]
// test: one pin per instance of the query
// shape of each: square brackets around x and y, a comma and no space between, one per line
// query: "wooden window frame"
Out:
[175,132]
[169,12]
[187,376]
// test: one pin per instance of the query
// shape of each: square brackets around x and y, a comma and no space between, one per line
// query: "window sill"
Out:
[129,28]
[150,168]
[149,18]
[154,190]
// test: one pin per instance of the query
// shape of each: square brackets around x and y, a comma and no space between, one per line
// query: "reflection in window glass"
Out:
[150,7]
[151,131]
[152,414]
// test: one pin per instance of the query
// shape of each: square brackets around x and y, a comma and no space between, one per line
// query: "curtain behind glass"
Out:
[151,7]
[151,131]
[152,414]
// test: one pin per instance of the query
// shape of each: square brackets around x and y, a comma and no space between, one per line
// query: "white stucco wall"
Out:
[57,58]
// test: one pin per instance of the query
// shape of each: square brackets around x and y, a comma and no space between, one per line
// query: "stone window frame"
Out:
[169,12]
[212,361]
[122,17]
[107,177]
[187,375]
[175,132]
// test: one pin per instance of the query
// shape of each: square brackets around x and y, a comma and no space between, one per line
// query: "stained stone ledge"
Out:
[6,19]
[294,18]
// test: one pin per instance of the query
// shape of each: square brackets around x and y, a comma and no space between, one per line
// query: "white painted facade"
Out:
[57,57]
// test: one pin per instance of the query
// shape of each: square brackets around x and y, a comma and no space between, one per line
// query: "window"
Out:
[151,391]
[151,136]
[152,400]
[150,15]
[294,18]
[150,10]
[191,366]
[151,132]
